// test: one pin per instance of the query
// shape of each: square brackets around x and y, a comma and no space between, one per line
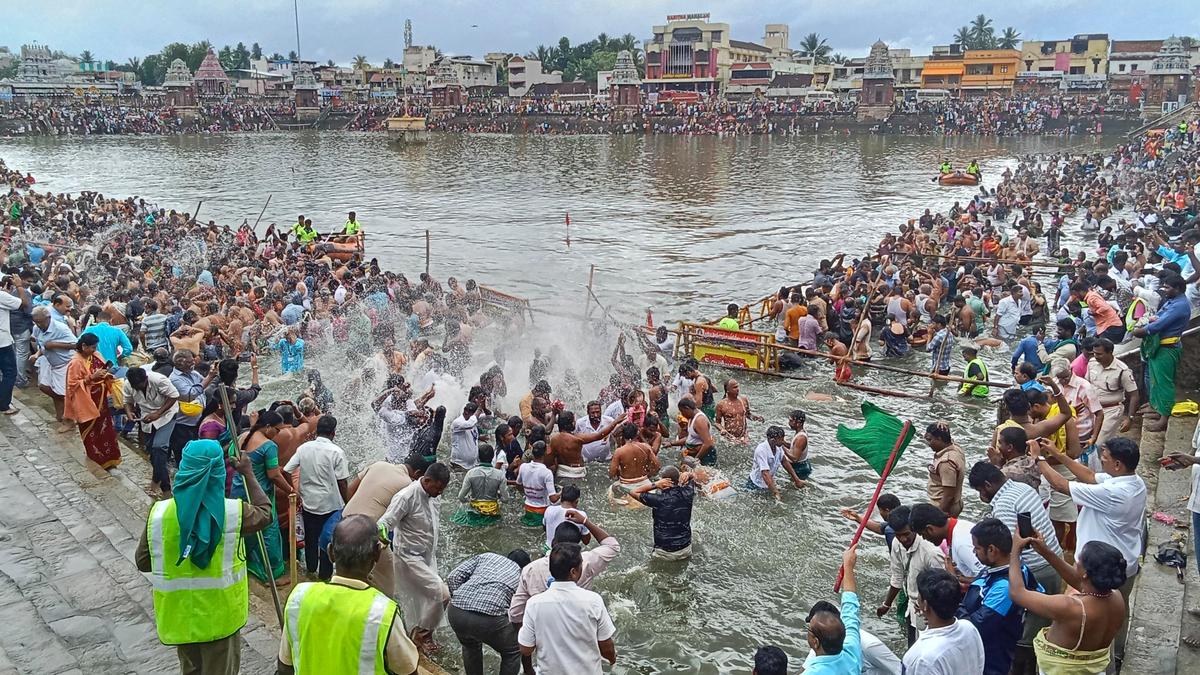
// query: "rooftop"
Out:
[750,46]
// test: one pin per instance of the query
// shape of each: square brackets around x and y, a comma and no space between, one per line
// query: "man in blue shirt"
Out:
[835,639]
[987,605]
[111,338]
[940,346]
[1160,345]
[294,312]
[1027,350]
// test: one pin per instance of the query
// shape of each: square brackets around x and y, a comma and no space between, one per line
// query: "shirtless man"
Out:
[964,318]
[566,447]
[695,436]
[732,412]
[633,464]
[188,336]
[836,348]
[860,345]
[797,452]
[291,437]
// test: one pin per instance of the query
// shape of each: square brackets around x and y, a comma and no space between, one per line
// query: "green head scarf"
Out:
[200,501]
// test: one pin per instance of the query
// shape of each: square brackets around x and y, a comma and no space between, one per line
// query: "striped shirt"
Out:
[154,327]
[1016,497]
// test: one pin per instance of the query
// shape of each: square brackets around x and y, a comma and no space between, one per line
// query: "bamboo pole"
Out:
[587,300]
[196,213]
[894,369]
[1030,263]
[862,524]
[426,251]
[879,390]
[260,213]
[292,535]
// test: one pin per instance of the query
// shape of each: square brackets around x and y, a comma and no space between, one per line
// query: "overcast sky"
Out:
[340,29]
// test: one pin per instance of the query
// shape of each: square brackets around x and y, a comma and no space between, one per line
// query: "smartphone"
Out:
[1025,524]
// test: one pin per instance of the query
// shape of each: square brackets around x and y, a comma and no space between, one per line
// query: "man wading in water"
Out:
[566,447]
[633,463]
[732,412]
[694,434]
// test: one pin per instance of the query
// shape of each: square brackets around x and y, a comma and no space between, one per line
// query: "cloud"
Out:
[339,29]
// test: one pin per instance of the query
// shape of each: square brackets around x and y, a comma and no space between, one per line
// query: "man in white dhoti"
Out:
[411,525]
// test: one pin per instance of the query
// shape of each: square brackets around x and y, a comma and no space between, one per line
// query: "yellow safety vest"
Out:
[729,323]
[946,168]
[977,390]
[351,227]
[336,630]
[973,169]
[192,604]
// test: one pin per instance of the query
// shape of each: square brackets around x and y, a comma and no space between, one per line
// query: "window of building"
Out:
[716,36]
[1121,68]
[1076,70]
[980,69]
[879,96]
[1004,69]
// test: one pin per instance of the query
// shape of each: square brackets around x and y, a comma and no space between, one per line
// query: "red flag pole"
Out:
[862,525]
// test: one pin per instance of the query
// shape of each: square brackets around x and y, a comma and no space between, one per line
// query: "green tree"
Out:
[330,63]
[983,36]
[110,65]
[388,63]
[963,38]
[225,57]
[1009,39]
[241,56]
[154,69]
[276,57]
[361,63]
[814,46]
[255,51]
[85,56]
[1187,41]
[9,71]
[838,59]
[292,56]
[563,54]
[133,65]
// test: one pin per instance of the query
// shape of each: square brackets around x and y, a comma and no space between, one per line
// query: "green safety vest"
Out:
[335,630]
[729,323]
[977,390]
[192,604]
[351,227]
[973,169]
[1132,315]
[1183,127]
[946,168]
[306,235]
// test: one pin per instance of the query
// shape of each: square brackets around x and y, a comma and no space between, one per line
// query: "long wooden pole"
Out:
[862,524]
[262,544]
[196,214]
[292,535]
[1031,263]
[260,213]
[426,251]
[894,369]
[587,301]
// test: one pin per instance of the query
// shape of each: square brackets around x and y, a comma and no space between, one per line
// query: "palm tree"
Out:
[1009,39]
[360,66]
[963,37]
[86,56]
[134,64]
[838,59]
[627,41]
[814,46]
[603,43]
[982,33]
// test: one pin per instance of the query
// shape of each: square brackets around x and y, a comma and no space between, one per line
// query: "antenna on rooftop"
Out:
[407,33]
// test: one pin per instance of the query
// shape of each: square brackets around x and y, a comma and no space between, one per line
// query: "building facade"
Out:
[878,85]
[974,72]
[690,53]
[1085,54]
[523,73]
[1170,79]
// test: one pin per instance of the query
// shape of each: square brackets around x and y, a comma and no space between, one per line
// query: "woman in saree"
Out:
[259,445]
[213,427]
[86,402]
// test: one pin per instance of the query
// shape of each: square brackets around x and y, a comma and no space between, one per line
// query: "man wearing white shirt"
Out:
[323,489]
[949,646]
[936,527]
[8,356]
[596,451]
[464,437]
[1112,506]
[567,627]
[1007,316]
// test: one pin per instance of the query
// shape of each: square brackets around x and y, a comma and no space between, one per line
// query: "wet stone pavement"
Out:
[71,598]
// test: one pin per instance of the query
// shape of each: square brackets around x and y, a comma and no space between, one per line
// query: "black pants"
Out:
[181,436]
[474,630]
[8,375]
[1114,333]
[315,560]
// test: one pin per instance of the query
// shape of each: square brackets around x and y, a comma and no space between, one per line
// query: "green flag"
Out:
[877,437]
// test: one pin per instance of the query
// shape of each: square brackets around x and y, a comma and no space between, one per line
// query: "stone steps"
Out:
[1158,599]
[67,577]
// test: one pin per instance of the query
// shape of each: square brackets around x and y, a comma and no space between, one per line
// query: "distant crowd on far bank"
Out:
[995,115]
